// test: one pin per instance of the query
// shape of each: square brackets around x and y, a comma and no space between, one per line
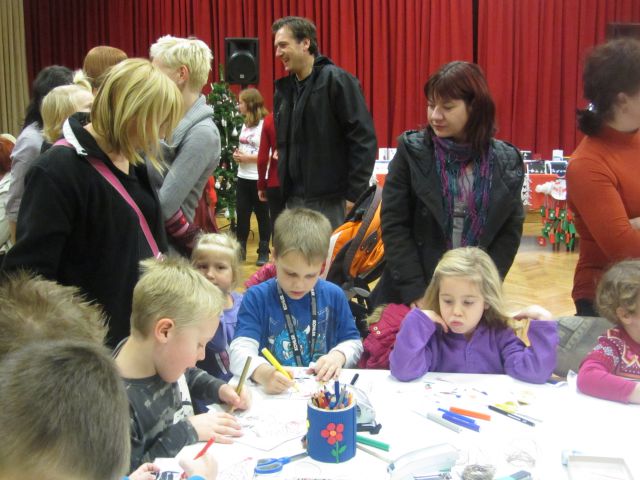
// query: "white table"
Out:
[570,422]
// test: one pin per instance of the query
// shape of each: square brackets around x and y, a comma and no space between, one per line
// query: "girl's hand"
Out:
[228,395]
[534,312]
[329,366]
[437,319]
[218,425]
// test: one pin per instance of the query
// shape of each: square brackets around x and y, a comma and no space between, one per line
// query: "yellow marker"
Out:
[272,360]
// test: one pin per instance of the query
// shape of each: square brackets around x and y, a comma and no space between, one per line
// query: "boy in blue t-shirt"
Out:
[298,317]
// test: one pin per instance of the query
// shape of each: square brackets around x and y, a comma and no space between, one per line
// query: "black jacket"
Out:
[332,131]
[76,229]
[413,216]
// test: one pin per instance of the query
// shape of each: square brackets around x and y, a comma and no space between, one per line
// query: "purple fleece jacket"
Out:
[421,347]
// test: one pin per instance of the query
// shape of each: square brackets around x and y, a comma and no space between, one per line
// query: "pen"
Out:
[205,448]
[512,416]
[470,413]
[352,383]
[272,360]
[242,379]
[373,443]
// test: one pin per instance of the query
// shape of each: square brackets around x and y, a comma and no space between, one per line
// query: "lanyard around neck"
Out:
[295,343]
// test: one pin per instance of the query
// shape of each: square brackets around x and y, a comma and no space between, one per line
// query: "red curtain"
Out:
[532,53]
[390,45]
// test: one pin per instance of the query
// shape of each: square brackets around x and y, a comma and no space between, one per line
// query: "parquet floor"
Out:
[538,275]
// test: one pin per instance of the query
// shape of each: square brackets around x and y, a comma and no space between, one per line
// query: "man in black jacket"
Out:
[325,137]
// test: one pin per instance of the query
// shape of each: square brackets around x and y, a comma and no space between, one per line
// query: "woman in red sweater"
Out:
[603,185]
[268,183]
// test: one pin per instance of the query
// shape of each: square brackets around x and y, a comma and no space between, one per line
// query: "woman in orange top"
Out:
[603,186]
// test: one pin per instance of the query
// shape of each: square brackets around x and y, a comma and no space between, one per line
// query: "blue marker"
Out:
[471,426]
[462,418]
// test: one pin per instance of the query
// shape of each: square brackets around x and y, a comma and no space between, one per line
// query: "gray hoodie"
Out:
[192,156]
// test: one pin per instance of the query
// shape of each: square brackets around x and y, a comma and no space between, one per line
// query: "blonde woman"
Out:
[251,106]
[74,226]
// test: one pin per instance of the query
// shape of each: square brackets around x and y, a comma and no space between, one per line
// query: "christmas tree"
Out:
[229,123]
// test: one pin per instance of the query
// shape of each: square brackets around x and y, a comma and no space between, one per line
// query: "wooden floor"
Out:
[538,275]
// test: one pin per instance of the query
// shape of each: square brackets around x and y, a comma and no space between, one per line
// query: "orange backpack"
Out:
[356,252]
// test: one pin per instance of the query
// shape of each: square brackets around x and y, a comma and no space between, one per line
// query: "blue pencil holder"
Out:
[331,436]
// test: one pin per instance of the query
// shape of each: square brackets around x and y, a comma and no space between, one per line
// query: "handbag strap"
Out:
[115,183]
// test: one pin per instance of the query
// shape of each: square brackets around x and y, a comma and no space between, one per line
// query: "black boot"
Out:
[263,253]
[243,251]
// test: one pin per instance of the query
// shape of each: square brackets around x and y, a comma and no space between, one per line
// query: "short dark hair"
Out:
[63,413]
[301,28]
[465,81]
[610,69]
[47,79]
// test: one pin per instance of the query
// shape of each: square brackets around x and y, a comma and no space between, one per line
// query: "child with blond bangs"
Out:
[59,104]
[176,311]
[301,319]
[217,257]
[464,328]
[612,369]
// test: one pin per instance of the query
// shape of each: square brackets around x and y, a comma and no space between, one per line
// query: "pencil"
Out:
[434,417]
[513,416]
[371,452]
[205,448]
[242,379]
[272,360]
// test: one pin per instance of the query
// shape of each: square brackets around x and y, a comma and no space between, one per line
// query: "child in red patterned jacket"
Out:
[612,369]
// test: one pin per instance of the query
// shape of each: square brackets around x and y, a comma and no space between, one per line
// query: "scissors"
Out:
[273,465]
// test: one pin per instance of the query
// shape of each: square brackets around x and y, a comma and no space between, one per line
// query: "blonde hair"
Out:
[81,80]
[476,265]
[619,287]
[256,110]
[224,244]
[304,231]
[98,60]
[135,101]
[58,105]
[172,288]
[194,54]
[33,309]
[64,413]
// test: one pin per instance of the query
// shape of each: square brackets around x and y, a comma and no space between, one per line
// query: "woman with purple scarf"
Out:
[450,185]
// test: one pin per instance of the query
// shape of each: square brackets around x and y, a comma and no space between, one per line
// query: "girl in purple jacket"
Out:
[464,328]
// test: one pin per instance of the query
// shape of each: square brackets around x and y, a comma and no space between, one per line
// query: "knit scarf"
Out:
[452,160]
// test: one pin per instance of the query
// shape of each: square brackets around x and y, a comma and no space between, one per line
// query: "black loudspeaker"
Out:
[618,30]
[243,60]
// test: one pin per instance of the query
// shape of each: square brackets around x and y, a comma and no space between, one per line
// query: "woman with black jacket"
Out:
[448,186]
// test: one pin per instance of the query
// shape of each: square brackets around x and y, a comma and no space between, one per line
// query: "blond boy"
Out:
[175,313]
[296,308]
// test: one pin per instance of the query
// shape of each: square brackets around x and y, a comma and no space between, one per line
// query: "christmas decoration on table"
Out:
[229,123]
[558,227]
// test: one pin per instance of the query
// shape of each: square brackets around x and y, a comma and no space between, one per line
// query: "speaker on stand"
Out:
[243,60]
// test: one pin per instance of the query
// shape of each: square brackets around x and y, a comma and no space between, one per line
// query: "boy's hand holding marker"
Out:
[229,395]
[275,379]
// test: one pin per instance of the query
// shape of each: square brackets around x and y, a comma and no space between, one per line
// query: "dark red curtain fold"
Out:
[390,45]
[533,53]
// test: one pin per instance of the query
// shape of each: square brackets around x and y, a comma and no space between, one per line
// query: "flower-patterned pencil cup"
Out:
[332,433]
